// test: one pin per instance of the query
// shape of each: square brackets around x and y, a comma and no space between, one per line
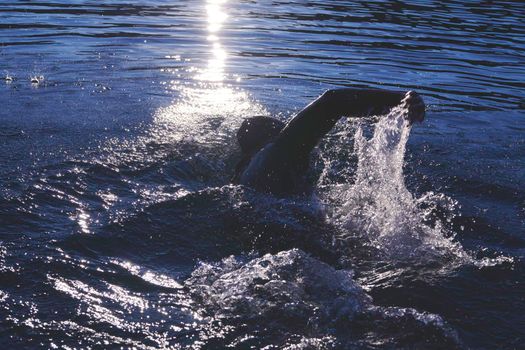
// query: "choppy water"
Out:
[118,227]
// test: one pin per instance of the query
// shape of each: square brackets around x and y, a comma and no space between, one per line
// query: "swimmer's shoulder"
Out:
[259,167]
[272,170]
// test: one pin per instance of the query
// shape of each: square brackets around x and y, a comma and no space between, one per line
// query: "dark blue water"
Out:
[118,226]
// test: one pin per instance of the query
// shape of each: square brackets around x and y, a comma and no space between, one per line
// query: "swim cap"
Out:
[256,132]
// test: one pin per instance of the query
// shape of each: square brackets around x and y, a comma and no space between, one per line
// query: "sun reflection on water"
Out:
[216,16]
[209,108]
[83,219]
[197,130]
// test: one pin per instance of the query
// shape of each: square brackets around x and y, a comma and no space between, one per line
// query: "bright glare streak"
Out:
[214,72]
[83,219]
[216,16]
[147,275]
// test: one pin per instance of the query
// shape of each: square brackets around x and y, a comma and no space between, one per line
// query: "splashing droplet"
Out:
[379,206]
[37,79]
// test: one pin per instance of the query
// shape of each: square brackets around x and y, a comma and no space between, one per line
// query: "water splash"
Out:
[37,79]
[379,206]
[291,300]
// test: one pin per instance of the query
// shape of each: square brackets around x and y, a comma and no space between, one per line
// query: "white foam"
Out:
[290,281]
[297,299]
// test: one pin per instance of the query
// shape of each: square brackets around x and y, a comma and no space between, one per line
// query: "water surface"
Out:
[117,220]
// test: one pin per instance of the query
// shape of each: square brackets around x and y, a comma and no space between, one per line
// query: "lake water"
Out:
[118,225]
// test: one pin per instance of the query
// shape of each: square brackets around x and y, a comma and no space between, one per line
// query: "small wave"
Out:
[148,276]
[293,300]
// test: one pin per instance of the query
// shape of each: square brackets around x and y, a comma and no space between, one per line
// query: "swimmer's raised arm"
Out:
[305,130]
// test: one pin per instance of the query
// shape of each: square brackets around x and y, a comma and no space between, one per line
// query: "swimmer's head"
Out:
[256,132]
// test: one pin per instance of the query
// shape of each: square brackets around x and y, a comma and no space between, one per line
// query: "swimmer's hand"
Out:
[415,106]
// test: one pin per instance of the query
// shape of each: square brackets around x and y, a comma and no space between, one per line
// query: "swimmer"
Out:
[275,155]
